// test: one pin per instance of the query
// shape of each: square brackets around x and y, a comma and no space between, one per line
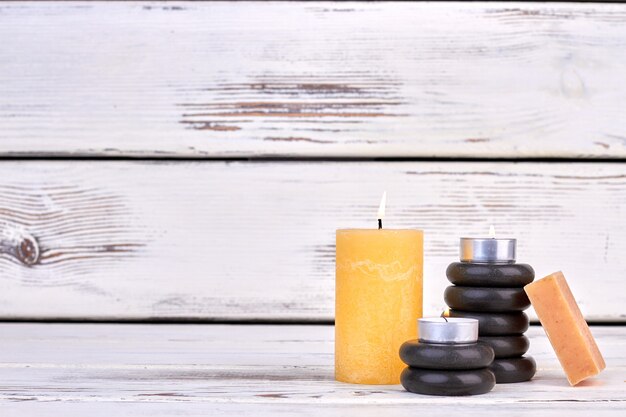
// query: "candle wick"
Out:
[443,316]
[380,223]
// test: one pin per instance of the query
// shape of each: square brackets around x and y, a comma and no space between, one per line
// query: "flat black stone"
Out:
[507,346]
[486,299]
[446,357]
[513,369]
[433,382]
[496,324]
[490,275]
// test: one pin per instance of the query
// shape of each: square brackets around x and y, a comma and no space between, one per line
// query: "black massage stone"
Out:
[434,382]
[507,346]
[513,369]
[486,299]
[496,324]
[490,275]
[446,357]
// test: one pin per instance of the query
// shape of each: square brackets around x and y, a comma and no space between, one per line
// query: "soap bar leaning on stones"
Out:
[566,328]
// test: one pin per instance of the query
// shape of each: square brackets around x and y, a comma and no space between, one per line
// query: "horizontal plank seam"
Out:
[274,159]
[247,322]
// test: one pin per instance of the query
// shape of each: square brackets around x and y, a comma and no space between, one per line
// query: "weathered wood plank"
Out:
[217,240]
[261,369]
[222,79]
[200,409]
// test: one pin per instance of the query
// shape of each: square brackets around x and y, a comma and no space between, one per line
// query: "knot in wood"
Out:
[28,250]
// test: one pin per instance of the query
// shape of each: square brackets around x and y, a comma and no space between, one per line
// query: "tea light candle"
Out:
[446,359]
[378,297]
[447,330]
[489,250]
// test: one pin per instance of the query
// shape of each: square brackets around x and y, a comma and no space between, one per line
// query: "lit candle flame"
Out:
[381,208]
[492,232]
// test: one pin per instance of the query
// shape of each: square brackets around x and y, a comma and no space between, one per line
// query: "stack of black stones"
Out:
[447,359]
[493,294]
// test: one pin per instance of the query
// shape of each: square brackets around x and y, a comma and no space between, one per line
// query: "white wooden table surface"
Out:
[122,369]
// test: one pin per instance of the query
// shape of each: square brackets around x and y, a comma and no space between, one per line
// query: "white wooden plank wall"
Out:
[322,79]
[218,240]
[244,240]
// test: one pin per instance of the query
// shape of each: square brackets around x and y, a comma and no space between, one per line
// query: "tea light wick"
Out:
[381,210]
[492,232]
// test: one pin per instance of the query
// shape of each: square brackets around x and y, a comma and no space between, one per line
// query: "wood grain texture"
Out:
[255,240]
[260,370]
[221,79]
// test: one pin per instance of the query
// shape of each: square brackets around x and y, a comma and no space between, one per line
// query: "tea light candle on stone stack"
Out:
[378,297]
[447,359]
[488,286]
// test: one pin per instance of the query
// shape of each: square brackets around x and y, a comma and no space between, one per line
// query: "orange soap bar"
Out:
[566,328]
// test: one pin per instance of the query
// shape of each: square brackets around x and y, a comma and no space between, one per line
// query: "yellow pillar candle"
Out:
[378,301]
